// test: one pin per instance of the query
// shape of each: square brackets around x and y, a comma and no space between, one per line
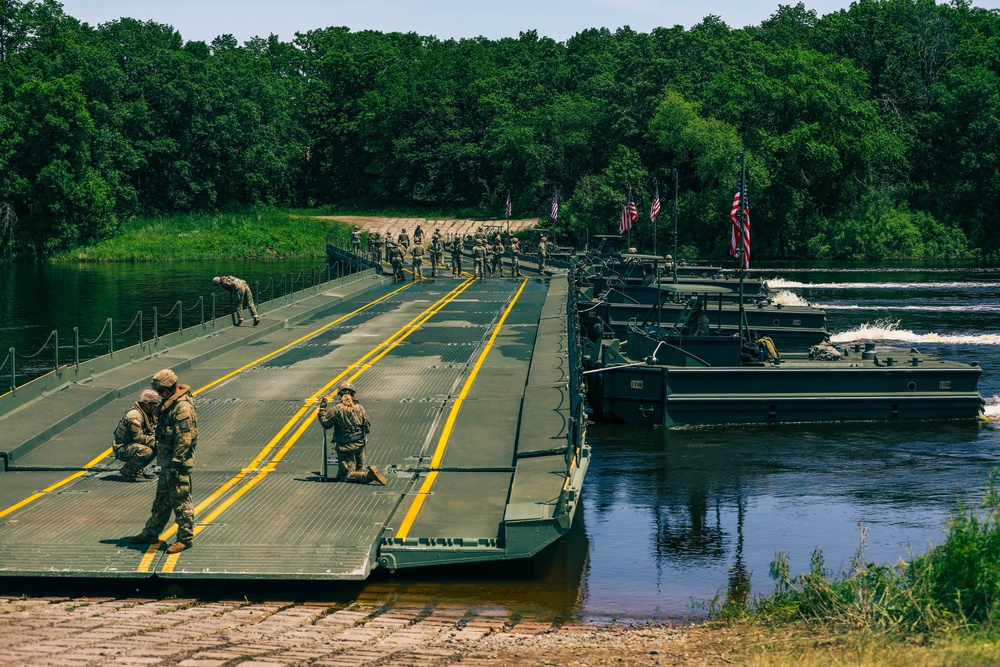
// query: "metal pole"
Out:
[55,350]
[201,303]
[111,337]
[180,316]
[739,253]
[675,226]
[139,317]
[76,348]
[156,330]
[213,309]
[13,372]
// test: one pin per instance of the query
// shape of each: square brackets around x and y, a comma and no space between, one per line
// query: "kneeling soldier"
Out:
[135,444]
[350,425]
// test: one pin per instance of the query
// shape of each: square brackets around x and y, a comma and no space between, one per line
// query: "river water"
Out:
[667,513]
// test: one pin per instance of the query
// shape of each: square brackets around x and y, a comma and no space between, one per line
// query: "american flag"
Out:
[555,206]
[741,199]
[508,209]
[629,215]
[654,208]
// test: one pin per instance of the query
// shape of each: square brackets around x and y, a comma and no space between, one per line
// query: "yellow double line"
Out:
[107,452]
[258,469]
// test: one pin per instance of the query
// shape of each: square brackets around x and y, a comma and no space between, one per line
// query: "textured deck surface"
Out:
[416,352]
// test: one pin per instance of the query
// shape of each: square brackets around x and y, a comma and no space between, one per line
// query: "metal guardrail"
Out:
[311,280]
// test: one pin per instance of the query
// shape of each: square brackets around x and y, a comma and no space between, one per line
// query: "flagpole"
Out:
[741,246]
[675,227]
[655,185]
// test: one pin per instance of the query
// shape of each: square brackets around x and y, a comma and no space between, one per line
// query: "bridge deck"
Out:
[466,384]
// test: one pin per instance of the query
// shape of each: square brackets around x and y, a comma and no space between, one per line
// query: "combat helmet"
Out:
[148,396]
[216,280]
[346,387]
[165,379]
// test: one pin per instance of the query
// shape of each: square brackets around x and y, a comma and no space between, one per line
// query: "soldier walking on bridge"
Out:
[240,291]
[497,257]
[396,258]
[356,240]
[417,264]
[456,256]
[403,239]
[543,252]
[479,260]
[350,425]
[135,444]
[176,438]
[436,251]
[515,257]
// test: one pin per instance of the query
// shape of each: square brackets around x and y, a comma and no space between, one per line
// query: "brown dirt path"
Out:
[449,227]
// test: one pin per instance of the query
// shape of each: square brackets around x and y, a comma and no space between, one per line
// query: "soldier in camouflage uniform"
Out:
[387,244]
[417,263]
[497,257]
[134,443]
[456,257]
[436,251]
[375,242]
[396,258]
[176,440]
[418,235]
[479,260]
[356,240]
[515,257]
[543,252]
[404,240]
[241,295]
[350,425]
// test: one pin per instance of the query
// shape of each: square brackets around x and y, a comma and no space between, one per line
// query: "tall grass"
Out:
[955,586]
[264,234]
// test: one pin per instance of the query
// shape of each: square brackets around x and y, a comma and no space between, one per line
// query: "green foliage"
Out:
[869,132]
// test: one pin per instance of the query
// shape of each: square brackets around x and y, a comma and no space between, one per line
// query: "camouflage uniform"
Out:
[356,241]
[177,438]
[417,264]
[515,258]
[479,260]
[396,258]
[134,443]
[497,257]
[436,251]
[404,240]
[241,294]
[456,257]
[543,252]
[375,243]
[387,244]
[350,435]
[418,235]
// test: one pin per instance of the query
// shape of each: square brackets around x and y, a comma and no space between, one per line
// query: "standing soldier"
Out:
[387,243]
[396,258]
[497,257]
[456,256]
[417,264]
[240,291]
[135,444]
[418,235]
[176,440]
[403,239]
[375,241]
[488,259]
[479,260]
[515,258]
[350,425]
[356,240]
[543,252]
[436,251]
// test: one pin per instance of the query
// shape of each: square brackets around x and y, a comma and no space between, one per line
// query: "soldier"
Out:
[240,291]
[497,257]
[479,260]
[350,425]
[418,235]
[515,257]
[456,257]
[396,258]
[135,444]
[356,240]
[543,252]
[387,244]
[488,258]
[417,264]
[176,440]
[403,239]
[375,241]
[436,251]
[480,235]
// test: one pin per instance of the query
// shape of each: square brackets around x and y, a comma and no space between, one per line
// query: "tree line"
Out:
[871,132]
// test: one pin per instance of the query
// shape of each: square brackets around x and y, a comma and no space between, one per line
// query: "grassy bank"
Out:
[942,607]
[265,234]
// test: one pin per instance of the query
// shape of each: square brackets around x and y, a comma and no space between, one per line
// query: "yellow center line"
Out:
[418,501]
[107,452]
[374,355]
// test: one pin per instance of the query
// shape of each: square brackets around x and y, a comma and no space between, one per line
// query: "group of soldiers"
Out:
[163,424]
[487,255]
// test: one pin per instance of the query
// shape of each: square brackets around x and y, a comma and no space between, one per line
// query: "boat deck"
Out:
[467,387]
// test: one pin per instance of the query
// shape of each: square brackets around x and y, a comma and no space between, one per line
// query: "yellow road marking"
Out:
[107,452]
[418,501]
[360,366]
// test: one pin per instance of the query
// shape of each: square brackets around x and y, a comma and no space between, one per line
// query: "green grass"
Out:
[262,235]
[952,591]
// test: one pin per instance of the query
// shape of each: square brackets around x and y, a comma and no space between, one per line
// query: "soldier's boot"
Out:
[256,320]
[178,547]
[375,476]
[142,538]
